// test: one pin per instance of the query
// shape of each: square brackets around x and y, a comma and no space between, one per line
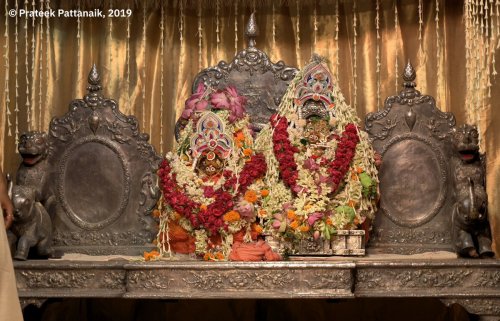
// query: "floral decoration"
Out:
[318,184]
[207,215]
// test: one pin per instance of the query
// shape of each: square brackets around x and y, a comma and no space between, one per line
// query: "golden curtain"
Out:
[151,80]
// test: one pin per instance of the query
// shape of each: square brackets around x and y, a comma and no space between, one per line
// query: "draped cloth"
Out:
[131,64]
[9,301]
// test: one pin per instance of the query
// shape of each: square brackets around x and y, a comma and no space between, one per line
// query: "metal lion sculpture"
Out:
[32,225]
[471,229]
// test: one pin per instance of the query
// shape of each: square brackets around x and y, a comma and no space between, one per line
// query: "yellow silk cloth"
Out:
[152,83]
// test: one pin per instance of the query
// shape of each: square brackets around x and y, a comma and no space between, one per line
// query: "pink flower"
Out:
[229,99]
[314,217]
[197,102]
[245,209]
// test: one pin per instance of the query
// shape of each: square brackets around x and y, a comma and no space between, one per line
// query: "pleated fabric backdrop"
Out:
[148,58]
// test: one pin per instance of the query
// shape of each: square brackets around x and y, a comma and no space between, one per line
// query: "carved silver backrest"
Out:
[102,172]
[255,76]
[412,136]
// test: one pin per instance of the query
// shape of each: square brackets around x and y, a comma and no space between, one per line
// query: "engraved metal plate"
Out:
[412,135]
[102,177]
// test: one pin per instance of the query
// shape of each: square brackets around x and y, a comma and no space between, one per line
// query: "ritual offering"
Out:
[212,185]
[321,170]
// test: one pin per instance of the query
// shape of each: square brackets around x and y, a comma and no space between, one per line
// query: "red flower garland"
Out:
[284,152]
[211,217]
[344,154]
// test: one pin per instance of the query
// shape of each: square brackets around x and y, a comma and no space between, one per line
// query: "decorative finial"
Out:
[316,58]
[409,75]
[252,30]
[94,80]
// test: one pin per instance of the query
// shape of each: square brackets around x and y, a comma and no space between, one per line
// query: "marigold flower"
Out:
[359,170]
[264,192]
[148,256]
[232,216]
[304,228]
[290,214]
[156,213]
[250,196]
[257,228]
[176,216]
[307,207]
[294,225]
[262,213]
[329,221]
[203,207]
[239,136]
[247,151]
[219,256]
[351,203]
[208,256]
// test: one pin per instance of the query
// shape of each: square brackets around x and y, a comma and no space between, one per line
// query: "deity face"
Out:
[210,165]
[316,130]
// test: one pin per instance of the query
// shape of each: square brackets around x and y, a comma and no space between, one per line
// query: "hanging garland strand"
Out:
[396,32]
[47,55]
[337,44]
[128,62]
[217,29]
[16,73]
[40,69]
[200,37]
[235,27]
[377,62]
[274,26]
[315,26]
[355,58]
[7,64]
[420,24]
[297,48]
[143,87]
[162,52]
[26,65]
[33,71]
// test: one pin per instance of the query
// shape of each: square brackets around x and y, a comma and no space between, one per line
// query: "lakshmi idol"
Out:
[321,168]
[212,185]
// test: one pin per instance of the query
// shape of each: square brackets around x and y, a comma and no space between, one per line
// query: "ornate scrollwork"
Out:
[239,280]
[341,279]
[421,278]
[65,238]
[148,280]
[56,279]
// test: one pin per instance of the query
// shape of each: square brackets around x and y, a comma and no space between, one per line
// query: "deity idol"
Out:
[321,167]
[212,186]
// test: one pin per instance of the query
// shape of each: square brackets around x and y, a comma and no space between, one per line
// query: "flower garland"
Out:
[211,216]
[344,154]
[284,152]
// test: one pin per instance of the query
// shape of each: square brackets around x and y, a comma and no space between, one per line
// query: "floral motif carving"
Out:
[488,279]
[148,280]
[113,280]
[99,238]
[57,279]
[426,278]
[239,280]
[330,280]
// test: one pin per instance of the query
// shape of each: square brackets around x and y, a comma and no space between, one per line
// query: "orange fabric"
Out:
[251,252]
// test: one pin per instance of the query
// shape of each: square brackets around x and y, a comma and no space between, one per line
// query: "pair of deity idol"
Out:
[308,174]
